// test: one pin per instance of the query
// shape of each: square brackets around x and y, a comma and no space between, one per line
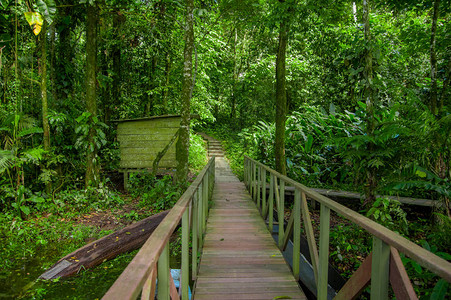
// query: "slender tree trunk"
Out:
[64,67]
[167,71]
[91,100]
[52,61]
[182,147]
[433,97]
[235,79]
[118,20]
[44,98]
[43,74]
[281,100]
[369,99]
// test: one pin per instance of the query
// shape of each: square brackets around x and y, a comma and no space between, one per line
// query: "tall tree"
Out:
[433,58]
[281,98]
[91,100]
[369,100]
[43,85]
[182,147]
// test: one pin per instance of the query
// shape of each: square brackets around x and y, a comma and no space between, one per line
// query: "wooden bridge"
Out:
[229,253]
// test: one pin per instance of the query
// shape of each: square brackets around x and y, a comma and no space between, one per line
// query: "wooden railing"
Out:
[152,261]
[381,267]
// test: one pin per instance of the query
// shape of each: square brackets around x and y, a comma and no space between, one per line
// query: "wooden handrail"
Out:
[132,280]
[425,258]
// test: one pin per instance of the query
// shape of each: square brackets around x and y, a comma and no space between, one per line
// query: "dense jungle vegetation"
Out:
[349,95]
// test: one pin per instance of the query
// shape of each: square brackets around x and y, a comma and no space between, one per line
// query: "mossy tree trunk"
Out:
[433,59]
[91,100]
[370,193]
[44,98]
[281,100]
[182,147]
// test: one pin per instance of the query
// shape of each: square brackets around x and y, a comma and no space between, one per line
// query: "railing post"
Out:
[380,267]
[259,176]
[163,274]
[245,169]
[200,216]
[263,185]
[205,203]
[281,212]
[195,225]
[271,203]
[296,233]
[184,280]
[254,175]
[323,252]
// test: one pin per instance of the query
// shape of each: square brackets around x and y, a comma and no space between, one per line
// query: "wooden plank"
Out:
[161,122]
[358,281]
[380,268]
[157,143]
[152,149]
[313,250]
[145,137]
[399,279]
[323,261]
[149,287]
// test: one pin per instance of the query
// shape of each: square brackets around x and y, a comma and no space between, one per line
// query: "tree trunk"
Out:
[281,101]
[64,69]
[43,86]
[43,74]
[91,101]
[433,99]
[167,71]
[369,99]
[182,147]
[118,20]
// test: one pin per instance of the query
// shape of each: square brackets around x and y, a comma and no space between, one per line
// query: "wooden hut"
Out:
[141,141]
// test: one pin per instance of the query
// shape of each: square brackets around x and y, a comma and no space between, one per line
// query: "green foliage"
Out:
[427,284]
[350,244]
[86,124]
[197,152]
[157,194]
[389,213]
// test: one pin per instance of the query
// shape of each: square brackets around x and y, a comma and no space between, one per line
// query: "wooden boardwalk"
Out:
[240,259]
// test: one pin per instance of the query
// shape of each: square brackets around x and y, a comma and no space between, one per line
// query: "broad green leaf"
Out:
[440,290]
[25,209]
[47,8]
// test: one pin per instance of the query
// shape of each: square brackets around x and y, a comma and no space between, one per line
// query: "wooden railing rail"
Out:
[152,261]
[383,264]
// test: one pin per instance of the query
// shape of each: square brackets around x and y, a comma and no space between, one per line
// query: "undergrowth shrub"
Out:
[157,193]
[197,152]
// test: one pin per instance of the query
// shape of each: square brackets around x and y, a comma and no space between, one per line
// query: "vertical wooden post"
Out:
[195,225]
[380,268]
[205,203]
[323,252]
[184,280]
[259,176]
[200,216]
[296,233]
[271,203]
[310,235]
[126,180]
[254,175]
[246,171]
[263,185]
[281,212]
[163,274]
